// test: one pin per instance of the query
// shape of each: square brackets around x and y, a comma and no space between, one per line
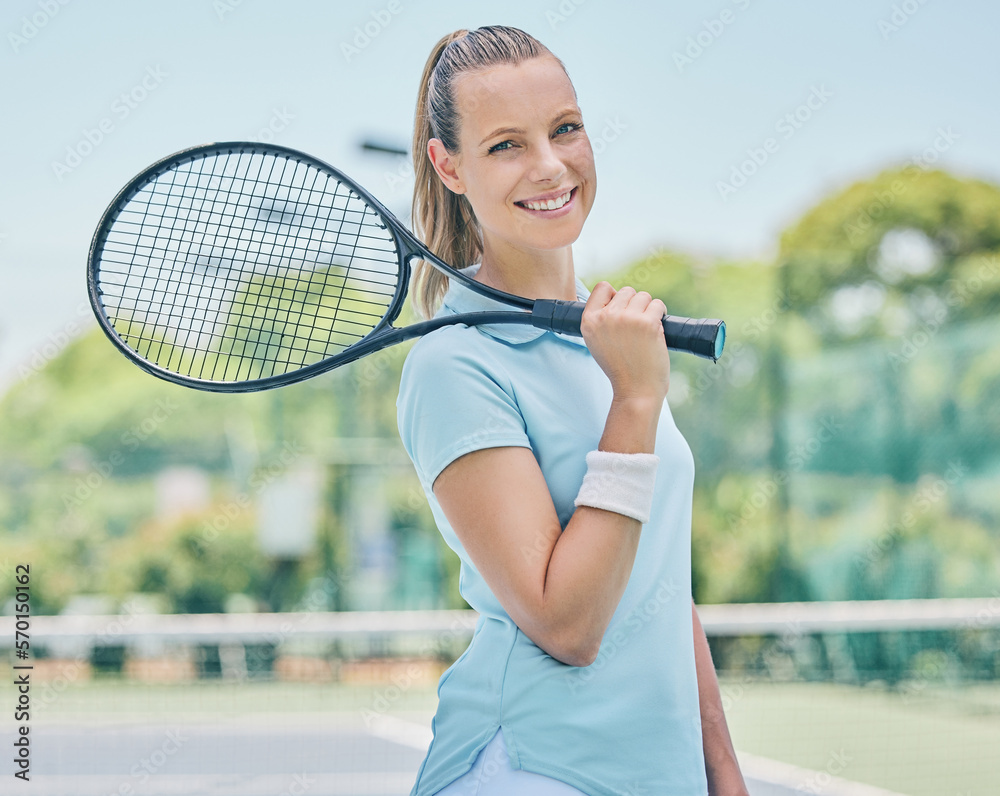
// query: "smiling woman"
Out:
[477,157]
[532,185]
[542,456]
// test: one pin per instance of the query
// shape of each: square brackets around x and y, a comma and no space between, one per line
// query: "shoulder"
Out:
[454,398]
[453,354]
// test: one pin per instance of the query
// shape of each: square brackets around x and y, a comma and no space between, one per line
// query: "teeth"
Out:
[551,204]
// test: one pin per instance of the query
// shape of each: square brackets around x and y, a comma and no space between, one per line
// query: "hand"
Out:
[624,332]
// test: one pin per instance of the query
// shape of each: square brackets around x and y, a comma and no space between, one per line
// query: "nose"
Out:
[546,165]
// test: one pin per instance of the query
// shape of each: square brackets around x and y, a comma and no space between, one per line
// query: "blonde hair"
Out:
[443,220]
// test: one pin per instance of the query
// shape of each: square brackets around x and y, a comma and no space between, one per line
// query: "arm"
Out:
[562,586]
[724,777]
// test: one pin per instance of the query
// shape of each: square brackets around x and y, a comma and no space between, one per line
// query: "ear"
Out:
[445,164]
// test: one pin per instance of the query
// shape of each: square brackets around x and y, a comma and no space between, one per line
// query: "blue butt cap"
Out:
[720,340]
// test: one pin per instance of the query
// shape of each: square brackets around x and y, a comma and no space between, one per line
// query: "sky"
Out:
[715,124]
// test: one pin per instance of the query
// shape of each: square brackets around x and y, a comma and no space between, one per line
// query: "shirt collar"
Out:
[461,299]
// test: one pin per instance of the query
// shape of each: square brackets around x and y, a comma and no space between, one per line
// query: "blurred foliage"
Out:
[884,256]
[847,444]
[859,387]
[193,570]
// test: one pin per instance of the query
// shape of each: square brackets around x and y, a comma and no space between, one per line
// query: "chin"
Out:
[554,244]
[557,237]
[559,240]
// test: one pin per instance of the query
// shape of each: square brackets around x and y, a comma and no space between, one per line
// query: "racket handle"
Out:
[704,337]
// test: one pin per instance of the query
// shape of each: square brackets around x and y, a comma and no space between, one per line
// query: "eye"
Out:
[568,127]
[501,147]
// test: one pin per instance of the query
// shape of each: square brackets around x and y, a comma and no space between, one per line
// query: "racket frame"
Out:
[552,315]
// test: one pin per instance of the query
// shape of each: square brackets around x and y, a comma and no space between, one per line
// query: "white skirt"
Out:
[491,775]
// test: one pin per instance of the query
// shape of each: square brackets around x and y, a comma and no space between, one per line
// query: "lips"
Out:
[548,202]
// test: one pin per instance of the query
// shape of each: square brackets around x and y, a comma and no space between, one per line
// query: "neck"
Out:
[532,275]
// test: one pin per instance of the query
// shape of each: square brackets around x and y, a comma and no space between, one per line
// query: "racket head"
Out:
[236,267]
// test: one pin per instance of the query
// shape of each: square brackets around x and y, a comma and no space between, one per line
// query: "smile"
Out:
[549,204]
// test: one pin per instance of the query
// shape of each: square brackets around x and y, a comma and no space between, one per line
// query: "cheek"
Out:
[491,191]
[585,157]
[581,159]
[583,164]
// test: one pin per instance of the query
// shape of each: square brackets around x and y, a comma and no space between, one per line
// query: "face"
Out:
[525,163]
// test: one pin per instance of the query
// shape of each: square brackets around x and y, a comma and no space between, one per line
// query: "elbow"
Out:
[580,658]
[573,639]
[574,649]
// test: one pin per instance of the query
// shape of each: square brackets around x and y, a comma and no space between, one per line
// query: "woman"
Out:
[542,456]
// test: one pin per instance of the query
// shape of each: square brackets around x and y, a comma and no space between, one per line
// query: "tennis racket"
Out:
[238,267]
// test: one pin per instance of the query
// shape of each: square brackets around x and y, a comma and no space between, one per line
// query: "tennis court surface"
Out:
[271,739]
[358,721]
[277,756]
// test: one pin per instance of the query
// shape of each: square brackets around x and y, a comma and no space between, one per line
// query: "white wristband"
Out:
[619,482]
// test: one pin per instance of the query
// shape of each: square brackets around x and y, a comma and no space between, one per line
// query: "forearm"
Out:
[592,559]
[721,766]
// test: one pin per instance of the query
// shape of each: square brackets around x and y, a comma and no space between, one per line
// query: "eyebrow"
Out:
[501,131]
[508,130]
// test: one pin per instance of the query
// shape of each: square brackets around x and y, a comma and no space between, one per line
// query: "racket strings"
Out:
[242,265]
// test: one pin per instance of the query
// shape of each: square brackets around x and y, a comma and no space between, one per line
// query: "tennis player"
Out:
[552,464]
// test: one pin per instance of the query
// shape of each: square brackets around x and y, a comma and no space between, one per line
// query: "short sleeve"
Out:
[454,398]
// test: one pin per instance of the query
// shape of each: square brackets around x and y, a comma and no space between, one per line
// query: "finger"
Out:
[600,295]
[657,308]
[622,298]
[640,301]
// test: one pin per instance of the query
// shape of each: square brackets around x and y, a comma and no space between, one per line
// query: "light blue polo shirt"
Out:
[629,723]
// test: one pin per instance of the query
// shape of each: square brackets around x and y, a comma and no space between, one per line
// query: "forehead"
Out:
[513,94]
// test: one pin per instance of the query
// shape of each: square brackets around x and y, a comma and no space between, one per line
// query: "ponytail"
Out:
[443,220]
